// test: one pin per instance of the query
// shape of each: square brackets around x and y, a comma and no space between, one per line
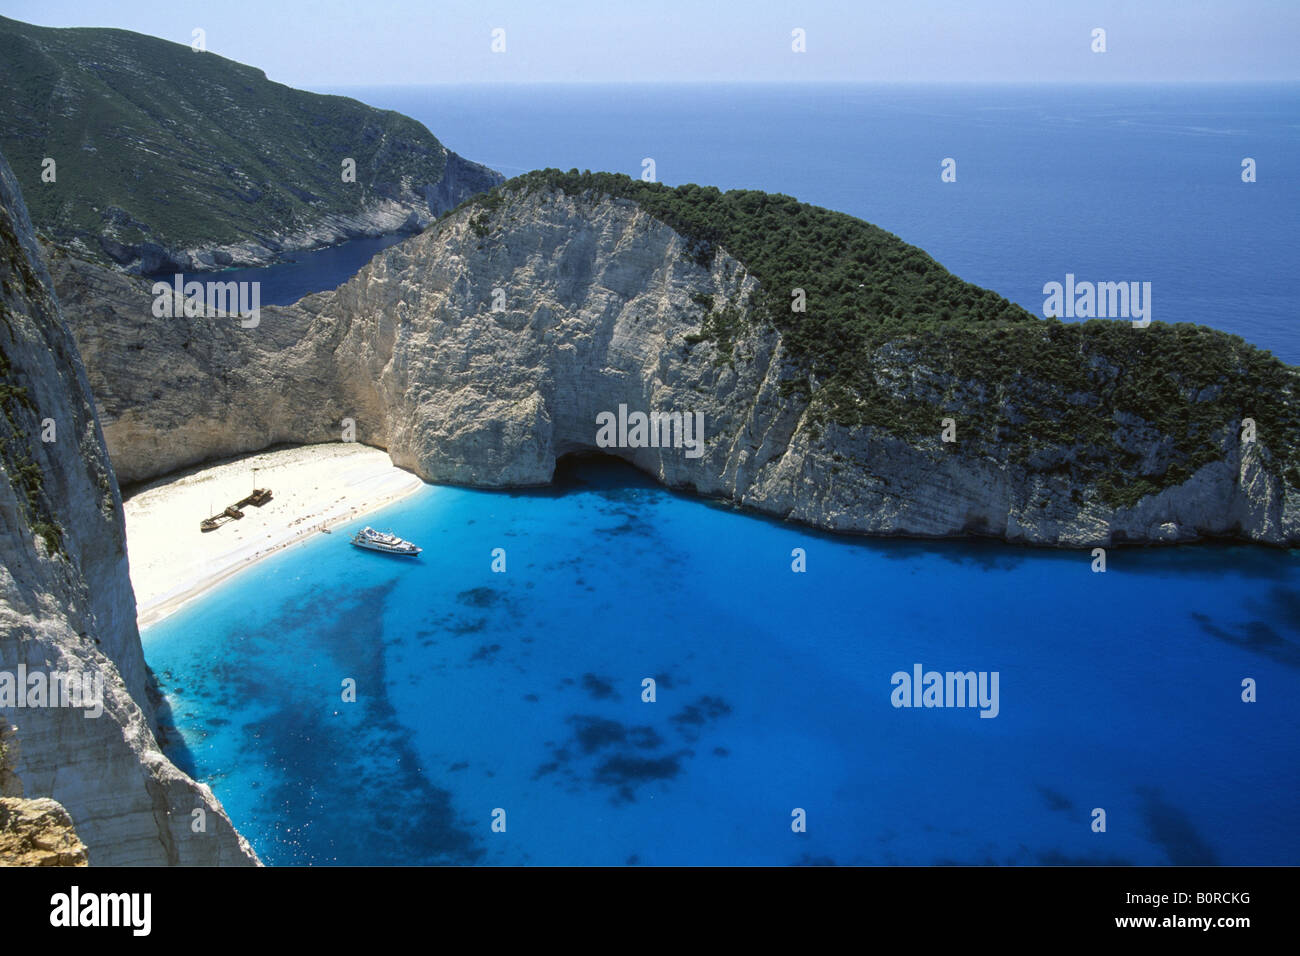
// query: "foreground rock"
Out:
[482,350]
[66,605]
[38,833]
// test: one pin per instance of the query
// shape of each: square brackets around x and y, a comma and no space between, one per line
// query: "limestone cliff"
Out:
[66,604]
[483,349]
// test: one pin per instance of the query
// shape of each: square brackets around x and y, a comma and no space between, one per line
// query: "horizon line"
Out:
[829,82]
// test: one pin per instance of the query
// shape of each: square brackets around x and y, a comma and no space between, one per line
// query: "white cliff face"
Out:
[65,597]
[599,301]
[595,308]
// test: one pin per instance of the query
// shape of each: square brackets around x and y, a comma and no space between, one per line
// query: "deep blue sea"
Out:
[521,691]
[315,271]
[1110,183]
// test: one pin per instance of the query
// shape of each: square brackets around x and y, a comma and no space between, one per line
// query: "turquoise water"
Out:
[522,691]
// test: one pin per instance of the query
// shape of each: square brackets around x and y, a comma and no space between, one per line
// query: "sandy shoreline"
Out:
[313,487]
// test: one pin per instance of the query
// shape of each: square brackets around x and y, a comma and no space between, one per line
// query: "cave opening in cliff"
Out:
[591,469]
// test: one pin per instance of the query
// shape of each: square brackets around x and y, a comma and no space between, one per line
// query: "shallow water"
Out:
[522,691]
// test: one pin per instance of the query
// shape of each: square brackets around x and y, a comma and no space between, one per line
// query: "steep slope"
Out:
[66,604]
[485,348]
[171,159]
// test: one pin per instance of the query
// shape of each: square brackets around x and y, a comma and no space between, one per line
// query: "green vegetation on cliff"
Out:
[16,455]
[156,143]
[18,415]
[891,339]
[856,277]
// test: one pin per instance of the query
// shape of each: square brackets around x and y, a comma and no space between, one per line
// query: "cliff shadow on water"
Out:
[617,479]
[591,471]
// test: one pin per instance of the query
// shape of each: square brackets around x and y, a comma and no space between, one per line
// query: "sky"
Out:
[328,43]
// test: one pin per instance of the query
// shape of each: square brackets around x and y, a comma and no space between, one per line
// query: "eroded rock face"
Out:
[66,603]
[599,303]
[38,833]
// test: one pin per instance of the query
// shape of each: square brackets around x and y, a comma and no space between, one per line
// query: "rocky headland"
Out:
[152,157]
[482,350]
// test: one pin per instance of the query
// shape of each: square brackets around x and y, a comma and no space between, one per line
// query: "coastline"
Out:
[314,488]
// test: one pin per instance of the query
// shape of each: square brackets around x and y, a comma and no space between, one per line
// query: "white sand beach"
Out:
[313,487]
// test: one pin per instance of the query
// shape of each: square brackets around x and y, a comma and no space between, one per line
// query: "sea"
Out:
[605,672]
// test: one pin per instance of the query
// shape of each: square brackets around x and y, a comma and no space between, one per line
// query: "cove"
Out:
[284,283]
[522,691]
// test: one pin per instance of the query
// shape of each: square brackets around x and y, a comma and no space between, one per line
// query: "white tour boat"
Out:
[388,543]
